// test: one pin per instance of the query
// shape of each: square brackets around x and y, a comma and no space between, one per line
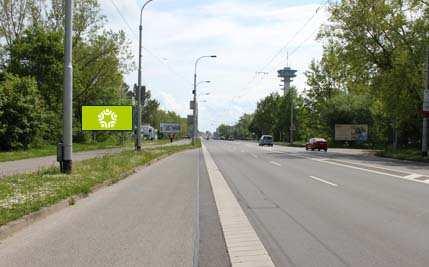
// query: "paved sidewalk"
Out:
[33,164]
[147,219]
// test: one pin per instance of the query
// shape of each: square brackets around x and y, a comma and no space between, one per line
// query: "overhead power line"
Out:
[279,52]
[154,55]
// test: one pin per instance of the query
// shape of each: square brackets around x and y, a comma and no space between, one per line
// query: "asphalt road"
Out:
[148,219]
[313,209]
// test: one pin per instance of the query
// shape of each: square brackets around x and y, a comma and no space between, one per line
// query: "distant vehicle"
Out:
[222,138]
[317,143]
[266,140]
[207,137]
[231,138]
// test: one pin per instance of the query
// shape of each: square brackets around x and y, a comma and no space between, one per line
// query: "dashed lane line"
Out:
[323,181]
[237,230]
[275,163]
[364,167]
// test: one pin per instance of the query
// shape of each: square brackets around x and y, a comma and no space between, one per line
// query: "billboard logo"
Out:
[107,119]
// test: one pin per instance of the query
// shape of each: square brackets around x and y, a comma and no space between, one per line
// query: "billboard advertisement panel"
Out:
[170,128]
[107,118]
[351,132]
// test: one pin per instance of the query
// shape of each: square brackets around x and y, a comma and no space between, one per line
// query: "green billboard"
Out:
[107,118]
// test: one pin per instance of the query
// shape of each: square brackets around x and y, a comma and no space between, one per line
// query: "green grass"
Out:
[26,193]
[412,154]
[49,150]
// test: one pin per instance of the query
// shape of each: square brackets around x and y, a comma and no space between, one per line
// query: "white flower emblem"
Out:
[107,119]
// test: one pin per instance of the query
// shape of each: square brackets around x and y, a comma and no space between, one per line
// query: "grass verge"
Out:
[411,154]
[49,150]
[26,193]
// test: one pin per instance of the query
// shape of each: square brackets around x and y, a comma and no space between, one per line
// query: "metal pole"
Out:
[426,93]
[138,145]
[194,135]
[291,116]
[68,89]
[195,111]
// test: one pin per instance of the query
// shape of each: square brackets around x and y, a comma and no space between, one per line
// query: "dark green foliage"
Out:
[21,113]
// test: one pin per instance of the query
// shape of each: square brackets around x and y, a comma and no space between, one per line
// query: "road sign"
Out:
[170,128]
[192,104]
[107,118]
[190,119]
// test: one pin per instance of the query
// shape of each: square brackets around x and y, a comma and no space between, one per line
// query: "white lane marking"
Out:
[237,230]
[275,163]
[253,155]
[323,181]
[413,176]
[410,177]
[242,151]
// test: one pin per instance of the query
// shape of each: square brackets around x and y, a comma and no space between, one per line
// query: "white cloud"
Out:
[243,35]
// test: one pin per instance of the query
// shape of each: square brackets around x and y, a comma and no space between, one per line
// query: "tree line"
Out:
[31,71]
[371,72]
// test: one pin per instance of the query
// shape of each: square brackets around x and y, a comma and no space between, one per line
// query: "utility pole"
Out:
[66,161]
[194,92]
[140,94]
[425,105]
[195,129]
[287,74]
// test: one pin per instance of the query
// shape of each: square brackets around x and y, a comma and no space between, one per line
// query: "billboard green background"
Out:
[90,121]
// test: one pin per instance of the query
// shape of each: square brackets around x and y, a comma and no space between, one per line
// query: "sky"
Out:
[247,36]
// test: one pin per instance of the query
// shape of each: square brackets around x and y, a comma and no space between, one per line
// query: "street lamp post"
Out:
[195,112]
[66,153]
[138,145]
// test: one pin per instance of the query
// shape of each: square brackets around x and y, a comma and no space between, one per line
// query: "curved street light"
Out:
[138,145]
[195,130]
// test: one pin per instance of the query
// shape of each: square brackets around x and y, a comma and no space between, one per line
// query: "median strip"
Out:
[243,244]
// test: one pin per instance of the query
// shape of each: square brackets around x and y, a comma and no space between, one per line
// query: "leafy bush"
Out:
[21,113]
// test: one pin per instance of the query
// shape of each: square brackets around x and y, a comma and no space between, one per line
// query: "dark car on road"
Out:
[317,143]
[266,140]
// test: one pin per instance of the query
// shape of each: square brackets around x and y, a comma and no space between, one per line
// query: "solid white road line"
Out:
[413,176]
[323,181]
[275,163]
[237,230]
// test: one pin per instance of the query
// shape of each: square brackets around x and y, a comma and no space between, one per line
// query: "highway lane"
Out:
[312,213]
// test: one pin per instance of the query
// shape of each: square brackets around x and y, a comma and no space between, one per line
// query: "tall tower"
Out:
[287,74]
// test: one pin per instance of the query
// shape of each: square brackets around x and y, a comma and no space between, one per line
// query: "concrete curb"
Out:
[13,227]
